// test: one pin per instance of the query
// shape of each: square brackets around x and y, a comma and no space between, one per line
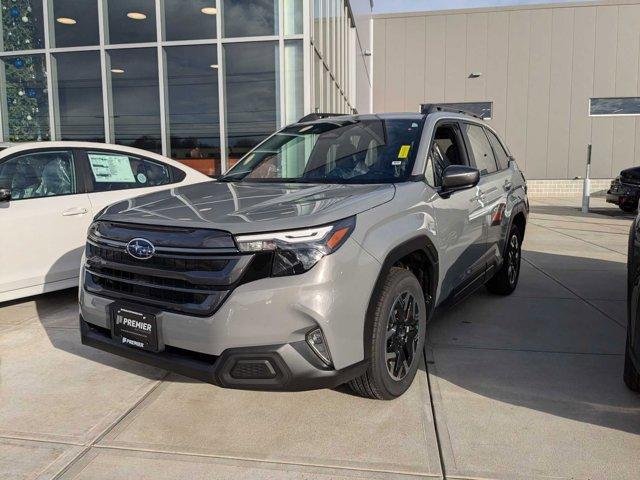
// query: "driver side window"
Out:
[445,150]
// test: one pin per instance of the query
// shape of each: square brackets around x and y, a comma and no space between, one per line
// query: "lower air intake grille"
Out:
[253,370]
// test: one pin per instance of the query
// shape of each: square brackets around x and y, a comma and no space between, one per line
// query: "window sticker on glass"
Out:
[111,168]
[404,151]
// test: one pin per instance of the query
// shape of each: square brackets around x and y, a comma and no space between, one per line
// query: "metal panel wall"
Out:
[539,64]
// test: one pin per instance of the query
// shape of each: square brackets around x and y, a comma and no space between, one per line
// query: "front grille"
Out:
[189,280]
[631,179]
[180,263]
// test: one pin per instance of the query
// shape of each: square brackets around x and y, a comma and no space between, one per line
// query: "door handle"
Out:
[507,185]
[74,211]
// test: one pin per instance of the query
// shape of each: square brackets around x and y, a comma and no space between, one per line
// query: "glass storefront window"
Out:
[194,122]
[26,105]
[135,100]
[22,25]
[131,21]
[121,100]
[293,80]
[189,20]
[252,93]
[250,19]
[292,17]
[75,23]
[79,93]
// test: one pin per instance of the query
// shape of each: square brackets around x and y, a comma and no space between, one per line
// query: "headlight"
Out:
[296,251]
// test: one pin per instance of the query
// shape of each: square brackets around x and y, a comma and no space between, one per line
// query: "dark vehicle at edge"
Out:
[625,190]
[632,350]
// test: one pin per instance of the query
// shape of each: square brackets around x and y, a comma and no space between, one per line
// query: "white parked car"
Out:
[50,192]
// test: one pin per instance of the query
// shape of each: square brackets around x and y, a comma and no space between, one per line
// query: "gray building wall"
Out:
[362,15]
[540,65]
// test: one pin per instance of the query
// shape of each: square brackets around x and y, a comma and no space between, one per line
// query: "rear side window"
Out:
[117,171]
[498,149]
[39,174]
[481,149]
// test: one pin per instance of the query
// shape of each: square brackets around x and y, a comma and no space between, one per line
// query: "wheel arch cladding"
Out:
[520,221]
[420,256]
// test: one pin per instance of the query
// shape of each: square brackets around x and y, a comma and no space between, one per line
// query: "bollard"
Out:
[586,186]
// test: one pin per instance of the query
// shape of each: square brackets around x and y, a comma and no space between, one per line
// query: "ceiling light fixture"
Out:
[209,10]
[117,70]
[66,21]
[136,16]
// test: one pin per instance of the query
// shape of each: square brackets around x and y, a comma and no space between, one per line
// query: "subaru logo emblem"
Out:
[141,249]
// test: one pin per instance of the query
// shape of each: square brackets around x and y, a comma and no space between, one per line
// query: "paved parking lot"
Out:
[527,386]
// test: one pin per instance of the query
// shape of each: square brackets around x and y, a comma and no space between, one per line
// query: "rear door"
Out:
[505,182]
[44,224]
[493,190]
[113,176]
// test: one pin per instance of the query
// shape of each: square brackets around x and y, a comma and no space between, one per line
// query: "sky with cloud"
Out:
[386,6]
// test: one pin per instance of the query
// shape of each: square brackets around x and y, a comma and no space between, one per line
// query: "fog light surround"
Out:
[315,340]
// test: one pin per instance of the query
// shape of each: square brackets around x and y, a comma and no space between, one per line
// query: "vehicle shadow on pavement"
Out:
[556,345]
[57,313]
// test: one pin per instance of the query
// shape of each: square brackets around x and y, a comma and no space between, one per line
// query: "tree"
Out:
[26,93]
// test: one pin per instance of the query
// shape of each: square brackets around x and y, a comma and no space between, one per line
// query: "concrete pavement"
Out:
[526,386]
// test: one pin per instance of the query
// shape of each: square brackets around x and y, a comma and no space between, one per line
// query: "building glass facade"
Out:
[201,81]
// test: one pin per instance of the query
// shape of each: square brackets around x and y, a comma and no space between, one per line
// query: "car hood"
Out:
[630,175]
[249,207]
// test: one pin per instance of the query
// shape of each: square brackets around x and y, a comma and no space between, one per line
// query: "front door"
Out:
[44,224]
[459,217]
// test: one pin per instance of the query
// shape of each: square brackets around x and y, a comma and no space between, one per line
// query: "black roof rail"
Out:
[319,116]
[427,108]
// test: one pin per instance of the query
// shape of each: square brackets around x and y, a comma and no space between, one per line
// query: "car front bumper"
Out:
[267,319]
[287,367]
[623,194]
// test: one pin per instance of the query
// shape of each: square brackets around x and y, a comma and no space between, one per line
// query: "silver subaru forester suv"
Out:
[317,260]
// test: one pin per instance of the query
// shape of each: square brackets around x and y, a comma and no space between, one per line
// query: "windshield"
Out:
[335,151]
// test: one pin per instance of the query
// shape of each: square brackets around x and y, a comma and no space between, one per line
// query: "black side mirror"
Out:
[459,177]
[5,194]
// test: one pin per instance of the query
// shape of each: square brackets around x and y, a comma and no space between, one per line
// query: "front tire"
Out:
[399,326]
[505,281]
[631,374]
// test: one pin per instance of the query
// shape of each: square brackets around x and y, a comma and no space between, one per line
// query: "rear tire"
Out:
[505,281]
[399,327]
[631,374]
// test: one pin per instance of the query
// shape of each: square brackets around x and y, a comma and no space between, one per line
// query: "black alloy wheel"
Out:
[513,259]
[398,332]
[505,280]
[402,335]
